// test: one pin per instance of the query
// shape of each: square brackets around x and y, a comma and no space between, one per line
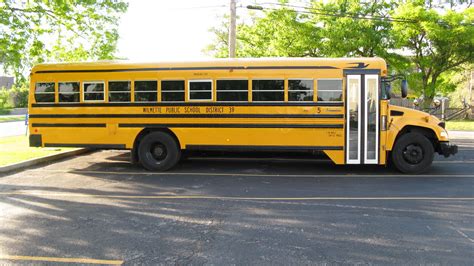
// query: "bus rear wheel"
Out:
[158,151]
[413,153]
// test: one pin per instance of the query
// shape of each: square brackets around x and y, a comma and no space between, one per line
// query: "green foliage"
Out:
[416,39]
[440,43]
[220,47]
[343,35]
[16,97]
[19,96]
[5,102]
[461,94]
[283,33]
[63,30]
[4,111]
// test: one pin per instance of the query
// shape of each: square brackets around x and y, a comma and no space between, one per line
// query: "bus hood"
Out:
[406,116]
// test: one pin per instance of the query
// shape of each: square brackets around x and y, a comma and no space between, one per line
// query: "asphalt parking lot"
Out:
[98,208]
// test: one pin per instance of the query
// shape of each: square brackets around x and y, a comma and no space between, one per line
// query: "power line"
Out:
[346,15]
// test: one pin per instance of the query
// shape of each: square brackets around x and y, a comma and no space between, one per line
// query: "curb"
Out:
[35,161]
[457,134]
[12,121]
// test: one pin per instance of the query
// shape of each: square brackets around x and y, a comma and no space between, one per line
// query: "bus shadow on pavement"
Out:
[271,164]
[243,164]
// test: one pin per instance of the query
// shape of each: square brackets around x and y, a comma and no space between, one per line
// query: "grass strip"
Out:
[16,149]
[11,118]
[462,125]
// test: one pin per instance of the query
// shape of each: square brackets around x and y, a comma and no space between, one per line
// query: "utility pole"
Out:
[232,27]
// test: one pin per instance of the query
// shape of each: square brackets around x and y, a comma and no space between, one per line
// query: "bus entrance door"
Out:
[362,119]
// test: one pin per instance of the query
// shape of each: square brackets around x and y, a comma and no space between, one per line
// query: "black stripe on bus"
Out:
[203,104]
[261,148]
[181,125]
[396,113]
[66,125]
[186,116]
[82,145]
[180,69]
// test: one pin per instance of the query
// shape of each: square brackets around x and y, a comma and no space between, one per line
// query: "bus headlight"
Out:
[444,134]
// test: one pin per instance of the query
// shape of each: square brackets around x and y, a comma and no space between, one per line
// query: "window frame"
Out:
[288,90]
[79,92]
[135,91]
[161,91]
[54,92]
[283,79]
[109,92]
[201,80]
[84,91]
[342,90]
[228,79]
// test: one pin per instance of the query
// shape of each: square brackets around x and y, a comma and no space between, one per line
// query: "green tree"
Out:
[282,32]
[354,28]
[220,46]
[438,43]
[56,30]
[323,29]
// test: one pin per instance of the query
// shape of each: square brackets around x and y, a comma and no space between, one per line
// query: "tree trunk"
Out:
[427,102]
[429,91]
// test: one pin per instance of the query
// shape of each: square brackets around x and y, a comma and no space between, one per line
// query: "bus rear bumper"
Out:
[36,140]
[447,149]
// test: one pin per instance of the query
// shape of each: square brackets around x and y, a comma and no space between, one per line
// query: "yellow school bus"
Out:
[339,106]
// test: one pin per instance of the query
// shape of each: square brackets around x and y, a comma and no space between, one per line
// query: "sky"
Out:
[164,30]
[160,30]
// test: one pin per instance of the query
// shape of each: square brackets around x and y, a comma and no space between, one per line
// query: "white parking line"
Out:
[453,161]
[243,174]
[59,259]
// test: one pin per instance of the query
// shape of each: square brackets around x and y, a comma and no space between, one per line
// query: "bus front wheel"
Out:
[158,151]
[412,153]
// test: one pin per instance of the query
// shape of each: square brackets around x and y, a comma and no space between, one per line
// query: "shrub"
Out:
[16,97]
[19,96]
[5,102]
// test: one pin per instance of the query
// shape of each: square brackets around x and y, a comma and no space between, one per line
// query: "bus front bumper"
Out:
[447,149]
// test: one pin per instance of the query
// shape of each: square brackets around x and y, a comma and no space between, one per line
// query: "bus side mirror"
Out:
[388,91]
[404,88]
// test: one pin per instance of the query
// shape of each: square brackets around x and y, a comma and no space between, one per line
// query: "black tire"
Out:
[158,151]
[412,153]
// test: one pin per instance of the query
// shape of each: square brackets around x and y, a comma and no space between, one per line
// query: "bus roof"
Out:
[342,63]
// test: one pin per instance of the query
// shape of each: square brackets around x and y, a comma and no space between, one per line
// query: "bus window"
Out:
[93,91]
[145,90]
[68,92]
[300,90]
[44,92]
[119,91]
[232,90]
[200,90]
[172,91]
[329,90]
[268,90]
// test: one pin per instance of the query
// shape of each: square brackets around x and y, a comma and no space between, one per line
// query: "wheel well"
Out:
[146,131]
[428,133]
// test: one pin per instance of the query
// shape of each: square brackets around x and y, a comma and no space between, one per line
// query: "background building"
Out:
[6,82]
